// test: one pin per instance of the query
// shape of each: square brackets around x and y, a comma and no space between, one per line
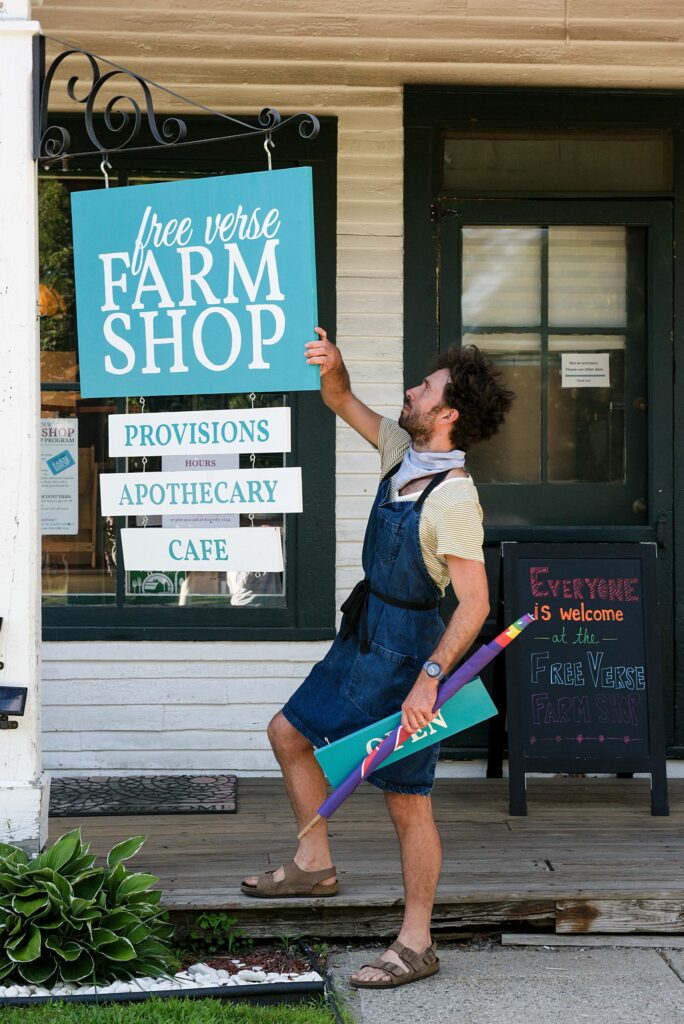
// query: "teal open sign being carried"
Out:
[204,286]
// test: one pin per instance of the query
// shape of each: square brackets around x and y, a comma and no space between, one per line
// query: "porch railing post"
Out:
[23,792]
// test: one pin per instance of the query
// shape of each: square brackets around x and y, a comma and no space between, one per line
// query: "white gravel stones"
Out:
[196,976]
[251,976]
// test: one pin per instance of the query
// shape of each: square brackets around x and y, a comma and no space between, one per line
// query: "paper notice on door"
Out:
[585,370]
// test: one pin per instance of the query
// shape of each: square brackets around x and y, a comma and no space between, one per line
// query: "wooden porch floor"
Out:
[588,857]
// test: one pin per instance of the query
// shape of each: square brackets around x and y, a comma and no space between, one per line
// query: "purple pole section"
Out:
[463,675]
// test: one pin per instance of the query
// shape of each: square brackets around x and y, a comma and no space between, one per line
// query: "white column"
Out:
[23,794]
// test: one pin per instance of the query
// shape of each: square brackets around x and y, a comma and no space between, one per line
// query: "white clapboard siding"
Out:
[175,707]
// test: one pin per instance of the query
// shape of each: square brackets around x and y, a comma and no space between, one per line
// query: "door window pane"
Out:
[558,161]
[501,277]
[587,424]
[568,423]
[514,454]
[587,276]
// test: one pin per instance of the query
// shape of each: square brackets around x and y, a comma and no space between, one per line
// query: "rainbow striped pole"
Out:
[463,675]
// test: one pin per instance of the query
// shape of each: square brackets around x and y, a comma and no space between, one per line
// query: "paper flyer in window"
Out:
[59,476]
[585,370]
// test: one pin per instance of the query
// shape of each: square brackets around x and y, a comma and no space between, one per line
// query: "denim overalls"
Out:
[391,624]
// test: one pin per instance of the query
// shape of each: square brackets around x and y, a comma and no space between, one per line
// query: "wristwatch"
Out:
[434,670]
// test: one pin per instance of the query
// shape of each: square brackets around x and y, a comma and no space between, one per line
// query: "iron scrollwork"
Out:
[123,115]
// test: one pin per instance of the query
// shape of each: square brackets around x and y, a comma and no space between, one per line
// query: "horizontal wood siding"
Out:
[179,707]
[184,707]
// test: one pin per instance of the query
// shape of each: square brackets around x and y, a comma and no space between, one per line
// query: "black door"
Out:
[573,301]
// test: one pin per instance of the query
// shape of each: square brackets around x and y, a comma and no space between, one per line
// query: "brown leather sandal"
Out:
[295,883]
[420,965]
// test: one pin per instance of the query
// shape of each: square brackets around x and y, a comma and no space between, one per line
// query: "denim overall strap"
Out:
[419,592]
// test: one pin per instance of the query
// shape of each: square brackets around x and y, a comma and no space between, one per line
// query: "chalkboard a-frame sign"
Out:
[583,684]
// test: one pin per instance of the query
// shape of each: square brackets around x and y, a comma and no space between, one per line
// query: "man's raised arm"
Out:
[336,388]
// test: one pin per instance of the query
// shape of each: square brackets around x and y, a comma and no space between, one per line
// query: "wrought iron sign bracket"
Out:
[125,116]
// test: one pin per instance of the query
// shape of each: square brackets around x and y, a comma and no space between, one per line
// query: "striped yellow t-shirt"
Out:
[451,520]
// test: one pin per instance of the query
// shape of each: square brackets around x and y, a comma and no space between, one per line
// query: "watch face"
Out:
[433,669]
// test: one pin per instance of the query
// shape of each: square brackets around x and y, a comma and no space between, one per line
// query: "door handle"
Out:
[661,529]
[639,507]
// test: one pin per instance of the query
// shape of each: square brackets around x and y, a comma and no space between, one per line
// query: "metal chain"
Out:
[252,398]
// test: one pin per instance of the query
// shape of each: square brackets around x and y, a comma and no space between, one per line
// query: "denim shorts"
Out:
[347,691]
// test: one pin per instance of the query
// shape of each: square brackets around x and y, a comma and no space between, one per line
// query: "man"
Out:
[424,531]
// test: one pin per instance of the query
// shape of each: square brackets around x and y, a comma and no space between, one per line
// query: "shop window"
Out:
[87,591]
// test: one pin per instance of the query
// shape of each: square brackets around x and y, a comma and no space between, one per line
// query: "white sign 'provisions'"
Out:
[240,490]
[210,432]
[240,550]
[585,370]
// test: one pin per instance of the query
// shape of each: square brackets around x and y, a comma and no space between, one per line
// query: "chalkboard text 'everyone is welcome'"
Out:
[585,665]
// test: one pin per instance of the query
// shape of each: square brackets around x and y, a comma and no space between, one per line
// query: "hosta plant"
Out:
[63,919]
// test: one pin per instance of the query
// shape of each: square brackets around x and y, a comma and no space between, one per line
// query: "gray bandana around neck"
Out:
[417,464]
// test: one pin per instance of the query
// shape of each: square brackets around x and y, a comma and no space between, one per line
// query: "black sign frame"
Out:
[519,759]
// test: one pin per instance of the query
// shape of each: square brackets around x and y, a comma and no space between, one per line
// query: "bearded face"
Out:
[419,423]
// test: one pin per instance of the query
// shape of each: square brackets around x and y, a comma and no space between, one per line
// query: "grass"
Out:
[171,1011]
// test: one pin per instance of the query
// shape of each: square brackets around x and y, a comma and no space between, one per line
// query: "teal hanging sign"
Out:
[196,287]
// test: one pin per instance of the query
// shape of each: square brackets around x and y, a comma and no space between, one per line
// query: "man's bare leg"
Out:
[306,789]
[421,862]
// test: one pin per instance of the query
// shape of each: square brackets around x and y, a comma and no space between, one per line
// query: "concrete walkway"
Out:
[508,985]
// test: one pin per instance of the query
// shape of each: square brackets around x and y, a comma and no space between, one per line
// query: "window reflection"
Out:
[514,454]
[587,424]
[501,277]
[560,430]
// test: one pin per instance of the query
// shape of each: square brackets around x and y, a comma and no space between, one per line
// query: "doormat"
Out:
[143,794]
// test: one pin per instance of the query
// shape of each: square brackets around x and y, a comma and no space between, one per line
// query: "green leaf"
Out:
[6,967]
[125,850]
[66,950]
[89,884]
[115,878]
[137,934]
[122,949]
[12,854]
[78,969]
[102,937]
[150,947]
[14,924]
[75,868]
[150,968]
[61,884]
[25,947]
[135,883]
[66,847]
[120,920]
[9,883]
[53,919]
[153,896]
[84,910]
[28,905]
[38,971]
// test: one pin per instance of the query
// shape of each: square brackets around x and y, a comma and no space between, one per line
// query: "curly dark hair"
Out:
[477,390]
